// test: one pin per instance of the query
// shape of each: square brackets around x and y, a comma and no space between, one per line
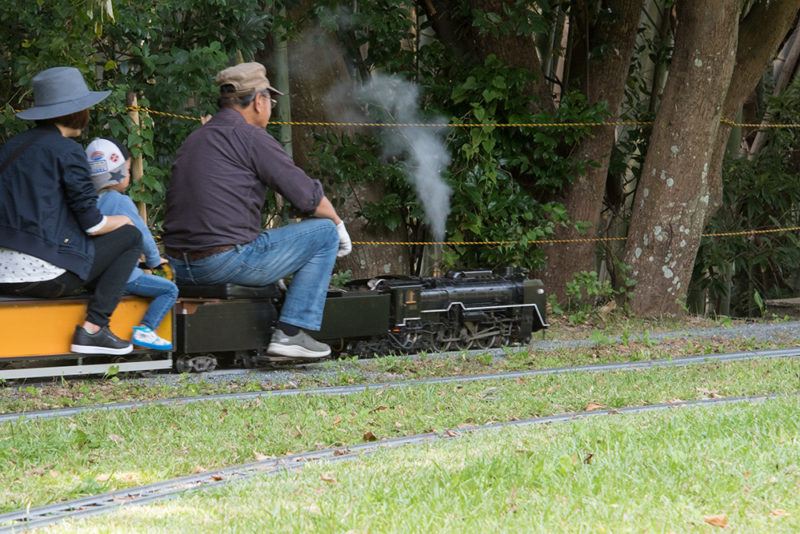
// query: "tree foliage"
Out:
[488,163]
[165,51]
[486,62]
[759,194]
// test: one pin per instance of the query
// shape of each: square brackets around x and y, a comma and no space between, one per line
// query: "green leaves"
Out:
[377,35]
[347,163]
[165,52]
[758,193]
[515,18]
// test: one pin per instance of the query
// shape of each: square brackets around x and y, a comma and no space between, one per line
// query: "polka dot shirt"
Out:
[16,267]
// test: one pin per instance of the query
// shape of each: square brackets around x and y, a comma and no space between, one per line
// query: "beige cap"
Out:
[246,79]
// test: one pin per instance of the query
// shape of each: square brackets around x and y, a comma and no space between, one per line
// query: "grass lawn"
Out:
[683,470]
[67,393]
[42,461]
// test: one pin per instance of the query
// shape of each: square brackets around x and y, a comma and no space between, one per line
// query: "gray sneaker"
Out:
[300,345]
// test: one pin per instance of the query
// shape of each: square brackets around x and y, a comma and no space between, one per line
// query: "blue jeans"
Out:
[307,249]
[163,291]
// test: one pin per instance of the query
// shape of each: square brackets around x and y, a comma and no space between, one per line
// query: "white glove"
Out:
[345,245]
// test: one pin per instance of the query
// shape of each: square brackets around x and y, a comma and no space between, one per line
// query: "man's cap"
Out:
[246,79]
[60,91]
[106,162]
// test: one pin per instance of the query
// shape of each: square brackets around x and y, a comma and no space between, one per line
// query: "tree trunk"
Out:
[784,76]
[760,34]
[601,79]
[514,49]
[673,194]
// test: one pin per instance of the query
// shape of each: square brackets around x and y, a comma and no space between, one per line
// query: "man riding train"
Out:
[212,225]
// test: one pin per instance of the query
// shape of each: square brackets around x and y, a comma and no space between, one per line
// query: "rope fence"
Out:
[498,125]
[723,120]
[462,125]
[575,240]
[456,124]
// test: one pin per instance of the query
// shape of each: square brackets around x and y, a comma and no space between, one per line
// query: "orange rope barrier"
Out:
[498,125]
[551,241]
[457,124]
[464,125]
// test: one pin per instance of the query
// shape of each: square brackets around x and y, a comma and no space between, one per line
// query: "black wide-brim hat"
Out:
[60,91]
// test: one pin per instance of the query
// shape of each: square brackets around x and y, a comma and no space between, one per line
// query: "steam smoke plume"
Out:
[423,146]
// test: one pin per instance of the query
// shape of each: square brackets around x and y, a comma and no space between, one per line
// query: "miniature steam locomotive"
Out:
[461,311]
[231,324]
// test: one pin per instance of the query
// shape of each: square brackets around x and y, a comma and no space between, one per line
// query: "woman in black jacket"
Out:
[53,239]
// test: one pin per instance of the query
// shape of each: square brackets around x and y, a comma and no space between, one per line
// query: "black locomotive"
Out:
[394,314]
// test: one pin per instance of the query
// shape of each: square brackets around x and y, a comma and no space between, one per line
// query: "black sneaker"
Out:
[300,345]
[101,342]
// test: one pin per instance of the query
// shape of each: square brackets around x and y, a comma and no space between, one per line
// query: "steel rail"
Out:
[89,506]
[359,388]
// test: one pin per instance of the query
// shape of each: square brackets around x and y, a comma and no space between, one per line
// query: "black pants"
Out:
[115,255]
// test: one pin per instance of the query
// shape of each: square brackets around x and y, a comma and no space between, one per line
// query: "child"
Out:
[109,165]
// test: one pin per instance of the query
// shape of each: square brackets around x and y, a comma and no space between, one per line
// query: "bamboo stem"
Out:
[137,162]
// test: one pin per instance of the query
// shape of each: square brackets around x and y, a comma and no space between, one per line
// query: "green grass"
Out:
[619,323]
[46,460]
[64,393]
[517,359]
[655,472]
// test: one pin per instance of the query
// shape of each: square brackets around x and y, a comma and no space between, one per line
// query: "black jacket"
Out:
[48,201]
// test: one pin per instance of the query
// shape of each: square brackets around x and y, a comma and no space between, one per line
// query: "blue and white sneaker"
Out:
[143,336]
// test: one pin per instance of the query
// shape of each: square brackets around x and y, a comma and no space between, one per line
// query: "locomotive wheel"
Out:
[184,365]
[203,364]
[464,344]
[504,341]
[442,341]
[506,337]
[195,364]
[245,359]
[426,341]
[464,341]
[486,342]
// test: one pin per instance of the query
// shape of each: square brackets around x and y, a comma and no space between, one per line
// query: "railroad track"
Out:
[98,504]
[348,390]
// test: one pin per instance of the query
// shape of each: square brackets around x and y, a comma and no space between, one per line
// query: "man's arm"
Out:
[325,210]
